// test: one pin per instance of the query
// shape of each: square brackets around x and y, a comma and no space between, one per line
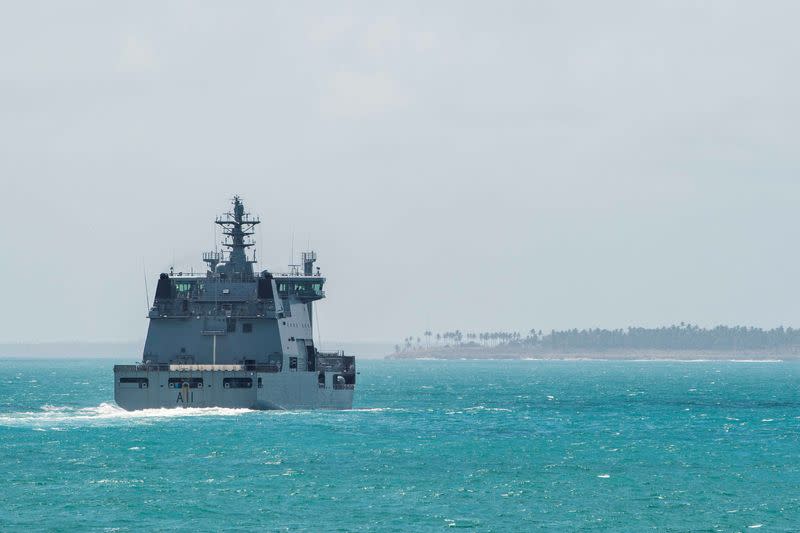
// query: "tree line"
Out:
[676,337]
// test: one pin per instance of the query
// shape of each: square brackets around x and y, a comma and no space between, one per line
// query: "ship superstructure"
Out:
[234,338]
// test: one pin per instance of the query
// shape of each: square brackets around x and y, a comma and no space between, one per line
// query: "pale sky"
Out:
[471,165]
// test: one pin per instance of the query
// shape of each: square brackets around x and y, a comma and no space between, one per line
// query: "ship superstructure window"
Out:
[183,288]
[134,383]
[177,383]
[247,328]
[301,288]
[231,325]
[237,383]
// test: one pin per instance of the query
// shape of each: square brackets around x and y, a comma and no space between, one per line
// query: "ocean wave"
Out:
[376,410]
[484,408]
[51,414]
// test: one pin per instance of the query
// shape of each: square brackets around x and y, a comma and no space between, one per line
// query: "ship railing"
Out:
[249,312]
[263,368]
[152,367]
[331,354]
[165,367]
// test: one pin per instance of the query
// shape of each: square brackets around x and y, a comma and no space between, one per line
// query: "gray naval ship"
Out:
[231,338]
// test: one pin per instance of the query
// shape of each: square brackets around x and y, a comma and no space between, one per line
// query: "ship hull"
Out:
[148,389]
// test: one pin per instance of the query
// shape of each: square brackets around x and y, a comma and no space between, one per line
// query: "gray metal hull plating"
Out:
[269,390]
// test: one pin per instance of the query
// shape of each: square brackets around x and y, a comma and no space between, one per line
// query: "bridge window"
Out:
[238,383]
[177,383]
[183,288]
[231,325]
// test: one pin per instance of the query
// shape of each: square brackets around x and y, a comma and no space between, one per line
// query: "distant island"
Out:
[683,341]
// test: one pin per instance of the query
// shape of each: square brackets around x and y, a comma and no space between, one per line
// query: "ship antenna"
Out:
[146,291]
[259,242]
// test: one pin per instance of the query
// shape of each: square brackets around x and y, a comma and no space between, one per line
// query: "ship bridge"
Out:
[304,288]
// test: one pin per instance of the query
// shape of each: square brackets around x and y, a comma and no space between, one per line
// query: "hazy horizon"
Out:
[132,350]
[456,165]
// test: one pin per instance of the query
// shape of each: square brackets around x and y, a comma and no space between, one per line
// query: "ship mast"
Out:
[238,226]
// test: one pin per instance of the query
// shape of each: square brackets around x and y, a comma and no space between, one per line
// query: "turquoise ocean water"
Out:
[492,446]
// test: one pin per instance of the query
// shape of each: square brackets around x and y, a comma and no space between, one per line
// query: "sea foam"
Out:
[51,414]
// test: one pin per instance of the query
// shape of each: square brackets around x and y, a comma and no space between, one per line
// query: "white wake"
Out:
[50,414]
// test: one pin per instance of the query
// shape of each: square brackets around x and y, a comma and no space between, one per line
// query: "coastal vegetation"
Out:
[671,338]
